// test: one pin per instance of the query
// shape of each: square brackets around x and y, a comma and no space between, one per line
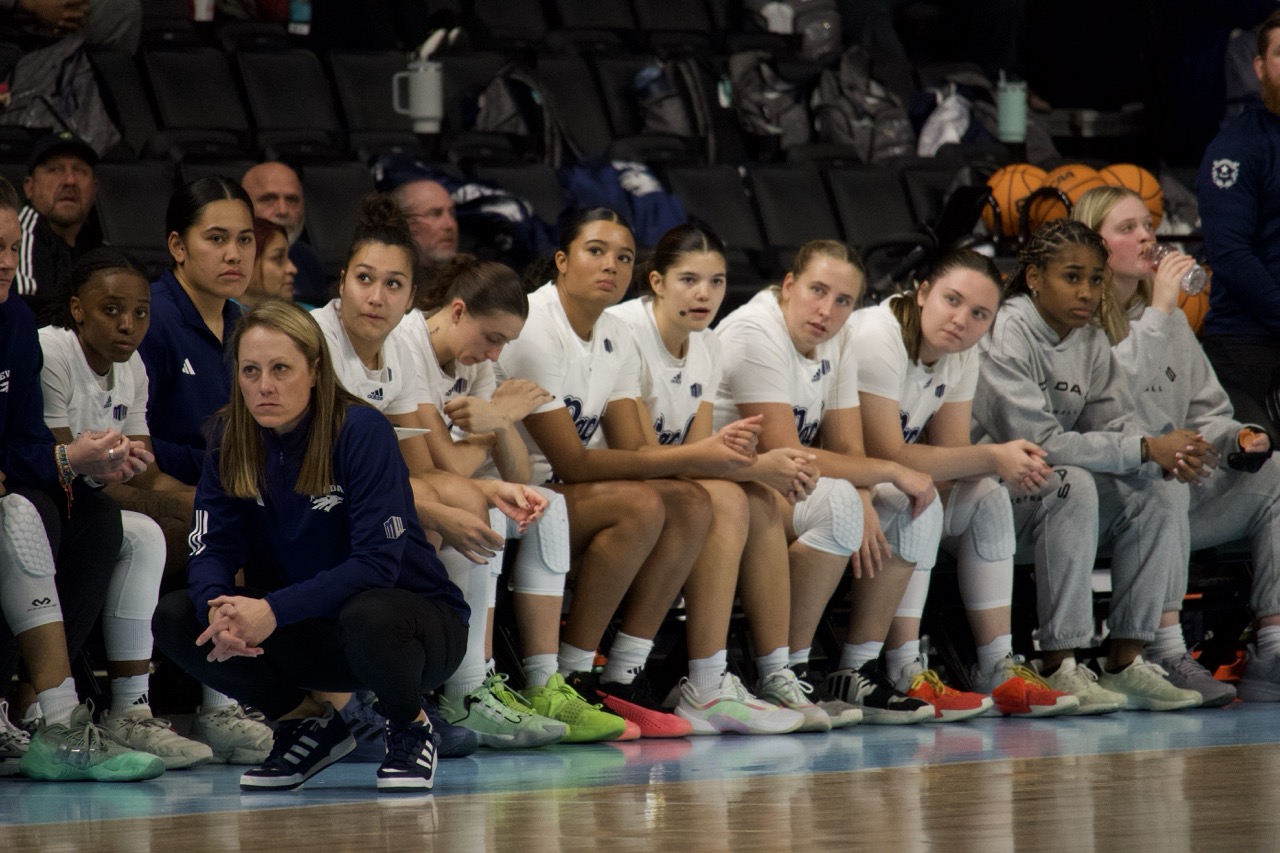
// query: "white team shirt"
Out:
[583,376]
[762,365]
[874,337]
[77,398]
[395,389]
[672,388]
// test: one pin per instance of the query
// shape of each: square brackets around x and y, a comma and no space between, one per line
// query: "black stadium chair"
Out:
[876,217]
[132,198]
[193,170]
[506,26]
[362,81]
[334,192]
[125,97]
[536,183]
[199,110]
[793,208]
[715,195]
[570,91]
[291,106]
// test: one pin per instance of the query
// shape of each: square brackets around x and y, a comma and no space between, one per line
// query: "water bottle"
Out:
[1195,279]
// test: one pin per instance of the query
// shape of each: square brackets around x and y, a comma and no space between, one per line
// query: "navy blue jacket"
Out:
[311,284]
[188,375]
[26,445]
[1239,192]
[314,553]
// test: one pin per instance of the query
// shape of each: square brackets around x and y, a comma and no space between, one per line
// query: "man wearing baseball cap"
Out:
[58,223]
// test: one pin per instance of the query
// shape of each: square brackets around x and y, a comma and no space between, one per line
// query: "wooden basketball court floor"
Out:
[1189,781]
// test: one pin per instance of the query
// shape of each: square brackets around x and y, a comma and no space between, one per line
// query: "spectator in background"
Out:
[273,271]
[57,226]
[432,220]
[276,192]
[115,24]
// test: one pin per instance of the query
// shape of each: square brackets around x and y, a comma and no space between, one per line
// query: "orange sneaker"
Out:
[949,705]
[1019,691]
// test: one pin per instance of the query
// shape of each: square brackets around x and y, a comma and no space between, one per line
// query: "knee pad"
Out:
[830,519]
[543,561]
[135,579]
[506,528]
[28,595]
[913,539]
[981,509]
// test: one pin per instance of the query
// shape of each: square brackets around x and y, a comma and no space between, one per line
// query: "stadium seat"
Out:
[616,75]
[506,26]
[536,183]
[362,80]
[125,97]
[291,106]
[334,192]
[793,208]
[189,171]
[715,195]
[569,89]
[876,217]
[132,198]
[466,76]
[199,111]
[670,28]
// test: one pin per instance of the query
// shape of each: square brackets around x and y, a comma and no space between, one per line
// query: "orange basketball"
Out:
[1140,181]
[1009,186]
[1197,306]
[1073,179]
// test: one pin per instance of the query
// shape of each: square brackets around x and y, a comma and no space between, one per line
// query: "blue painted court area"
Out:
[216,789]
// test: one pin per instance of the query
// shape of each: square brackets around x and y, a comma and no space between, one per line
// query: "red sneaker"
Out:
[949,705]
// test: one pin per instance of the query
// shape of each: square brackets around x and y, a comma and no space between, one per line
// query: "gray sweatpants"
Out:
[1234,505]
[1146,524]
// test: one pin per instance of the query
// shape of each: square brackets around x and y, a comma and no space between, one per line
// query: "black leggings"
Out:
[398,644]
[1249,370]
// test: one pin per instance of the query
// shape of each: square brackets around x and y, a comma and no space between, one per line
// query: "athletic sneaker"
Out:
[729,708]
[587,723]
[841,713]
[634,702]
[78,750]
[783,689]
[1261,681]
[949,705]
[498,725]
[1186,672]
[1146,687]
[236,736]
[136,728]
[13,742]
[451,741]
[1019,691]
[1082,682]
[881,703]
[410,763]
[301,749]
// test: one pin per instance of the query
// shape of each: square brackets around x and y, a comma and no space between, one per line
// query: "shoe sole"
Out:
[955,715]
[1257,691]
[407,784]
[289,783]
[182,762]
[716,724]
[879,717]
[1140,704]
[644,718]
[99,773]
[1065,706]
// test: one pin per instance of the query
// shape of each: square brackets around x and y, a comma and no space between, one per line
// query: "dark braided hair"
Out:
[101,259]
[1046,244]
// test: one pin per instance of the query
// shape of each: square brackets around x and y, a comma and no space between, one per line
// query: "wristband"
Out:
[66,474]
[1146,450]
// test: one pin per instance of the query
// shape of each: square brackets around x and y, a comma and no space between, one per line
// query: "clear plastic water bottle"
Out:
[1195,279]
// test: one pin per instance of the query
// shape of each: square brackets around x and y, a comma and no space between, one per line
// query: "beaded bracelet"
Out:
[66,474]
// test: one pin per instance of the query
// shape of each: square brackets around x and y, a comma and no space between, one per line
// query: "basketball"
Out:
[1073,179]
[1009,186]
[1140,181]
[1195,307]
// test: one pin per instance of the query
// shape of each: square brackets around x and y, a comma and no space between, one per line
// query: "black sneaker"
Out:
[881,703]
[300,750]
[410,764]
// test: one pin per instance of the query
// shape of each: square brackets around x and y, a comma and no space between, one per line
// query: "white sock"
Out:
[799,658]
[705,673]
[627,656]
[490,667]
[574,659]
[211,700]
[896,661]
[58,702]
[1269,641]
[767,665]
[1168,643]
[538,669]
[994,652]
[130,692]
[855,655]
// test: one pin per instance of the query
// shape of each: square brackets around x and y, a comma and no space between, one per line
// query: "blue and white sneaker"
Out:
[300,750]
[410,764]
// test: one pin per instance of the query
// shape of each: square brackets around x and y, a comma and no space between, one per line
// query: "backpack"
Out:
[631,189]
[850,108]
[54,87]
[513,105]
[673,102]
[817,22]
[770,109]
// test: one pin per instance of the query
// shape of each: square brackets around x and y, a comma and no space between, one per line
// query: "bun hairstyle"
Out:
[187,201]
[692,236]
[101,259]
[907,310]
[382,221]
[542,270]
[487,288]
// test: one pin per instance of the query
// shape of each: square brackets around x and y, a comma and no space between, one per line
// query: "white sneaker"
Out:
[729,708]
[783,689]
[138,730]
[1146,686]
[13,742]
[1082,683]
[234,736]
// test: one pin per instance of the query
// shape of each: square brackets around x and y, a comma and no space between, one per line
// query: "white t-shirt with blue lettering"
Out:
[80,400]
[394,389]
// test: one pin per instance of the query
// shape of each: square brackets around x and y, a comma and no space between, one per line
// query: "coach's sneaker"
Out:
[1261,681]
[498,725]
[410,763]
[1146,687]
[881,703]
[13,742]
[137,729]
[634,702]
[235,735]
[300,749]
[949,705]
[78,750]
[729,708]
[1186,672]
[587,723]
[1019,691]
[783,689]
[1082,682]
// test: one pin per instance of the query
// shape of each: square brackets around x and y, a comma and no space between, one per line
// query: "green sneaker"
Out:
[79,751]
[499,719]
[587,723]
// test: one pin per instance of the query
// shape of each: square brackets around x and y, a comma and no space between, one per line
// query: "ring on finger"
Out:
[111,454]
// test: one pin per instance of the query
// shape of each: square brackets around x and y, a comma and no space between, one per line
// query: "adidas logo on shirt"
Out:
[4,382]
[375,394]
[187,368]
[675,380]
